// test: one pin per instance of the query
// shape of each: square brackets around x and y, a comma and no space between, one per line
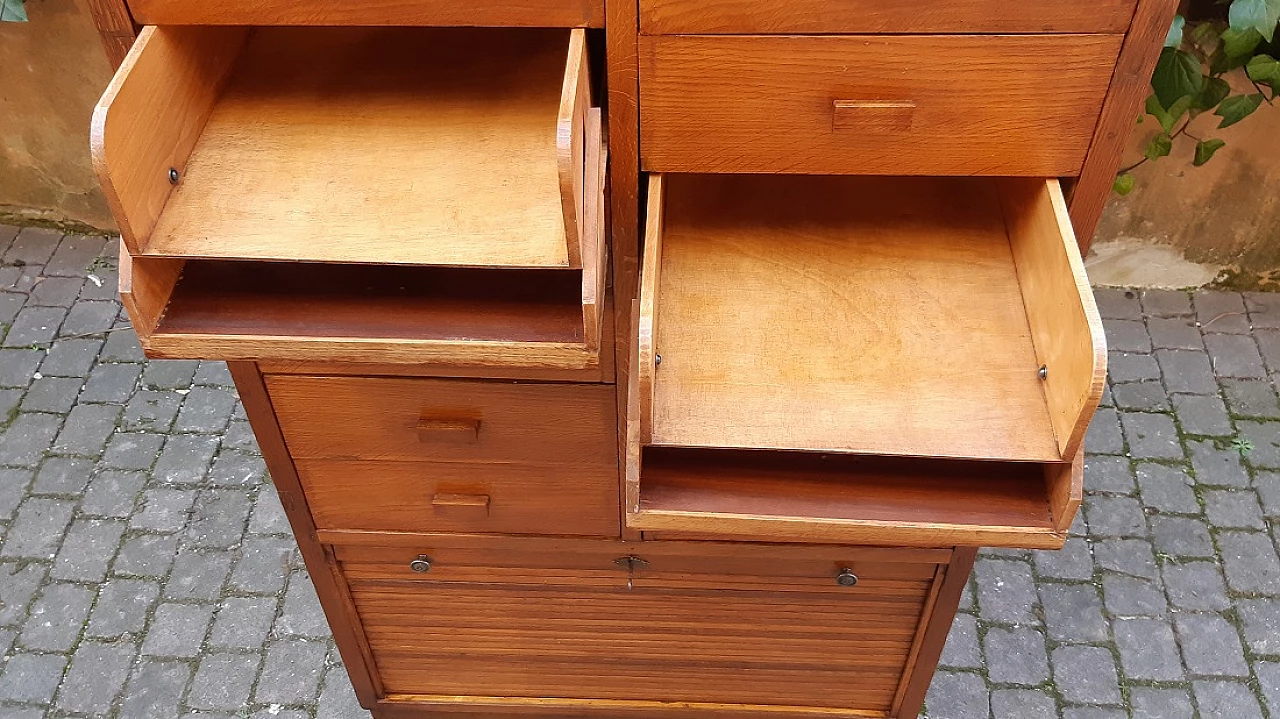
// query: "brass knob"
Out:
[846,577]
[421,564]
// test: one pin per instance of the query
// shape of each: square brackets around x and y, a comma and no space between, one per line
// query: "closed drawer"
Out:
[500,497]
[908,105]
[531,13]
[393,419]
[701,622]
[671,17]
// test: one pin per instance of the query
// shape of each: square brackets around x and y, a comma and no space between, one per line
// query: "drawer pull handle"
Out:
[464,431]
[871,115]
[421,565]
[461,501]
[846,578]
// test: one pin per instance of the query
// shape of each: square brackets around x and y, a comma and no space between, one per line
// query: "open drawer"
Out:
[382,194]
[867,359]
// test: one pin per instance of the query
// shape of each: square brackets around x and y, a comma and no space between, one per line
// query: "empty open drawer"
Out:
[944,318]
[432,146]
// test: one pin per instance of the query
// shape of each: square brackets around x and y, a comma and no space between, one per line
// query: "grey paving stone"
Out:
[86,430]
[1269,682]
[961,650]
[71,357]
[57,617]
[1267,485]
[74,255]
[292,672]
[19,582]
[1250,562]
[1195,585]
[263,565]
[155,689]
[87,550]
[122,346]
[1264,309]
[1167,489]
[218,519]
[163,509]
[27,438]
[1151,436]
[10,304]
[1226,699]
[32,246]
[63,475]
[198,575]
[1073,612]
[1260,621]
[1186,371]
[55,292]
[1072,712]
[10,399]
[52,394]
[268,514]
[1175,333]
[1148,650]
[37,531]
[237,469]
[17,366]
[223,681]
[1133,597]
[1146,396]
[1202,414]
[1217,467]
[34,326]
[1023,704]
[1106,473]
[1210,645]
[1126,556]
[244,622]
[1130,367]
[1264,438]
[1233,508]
[968,599]
[132,450]
[1103,436]
[1086,675]
[239,435]
[112,494]
[90,318]
[1006,591]
[122,608]
[111,383]
[1116,303]
[185,458]
[31,677]
[205,409]
[1115,516]
[1127,335]
[1181,537]
[169,374]
[1016,656]
[1269,344]
[956,695]
[1234,356]
[151,410]
[1221,311]
[97,674]
[1251,398]
[13,487]
[146,555]
[1073,561]
[213,374]
[177,630]
[338,699]
[302,615]
[1152,703]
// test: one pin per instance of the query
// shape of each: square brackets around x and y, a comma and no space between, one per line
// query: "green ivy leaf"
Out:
[1205,33]
[1237,44]
[1205,150]
[1261,15]
[1159,147]
[12,11]
[1236,108]
[1123,184]
[1215,91]
[1174,37]
[1177,74]
[1264,69]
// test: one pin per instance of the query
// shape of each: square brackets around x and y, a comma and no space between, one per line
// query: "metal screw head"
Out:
[174,176]
[421,564]
[657,359]
[846,578]
[1043,371]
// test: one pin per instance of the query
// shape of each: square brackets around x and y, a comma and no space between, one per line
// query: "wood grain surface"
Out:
[984,105]
[532,13]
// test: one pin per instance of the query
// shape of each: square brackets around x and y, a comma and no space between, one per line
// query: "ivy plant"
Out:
[12,11]
[1188,78]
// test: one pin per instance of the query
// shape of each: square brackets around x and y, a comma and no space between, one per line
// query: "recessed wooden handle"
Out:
[871,115]
[445,501]
[432,429]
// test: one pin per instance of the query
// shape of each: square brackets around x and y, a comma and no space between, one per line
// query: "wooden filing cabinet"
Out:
[537,467]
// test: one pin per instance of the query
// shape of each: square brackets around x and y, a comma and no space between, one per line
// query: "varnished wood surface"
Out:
[377,419]
[532,13]
[115,27]
[984,105]
[938,626]
[885,312]
[500,497]
[689,17]
[413,706]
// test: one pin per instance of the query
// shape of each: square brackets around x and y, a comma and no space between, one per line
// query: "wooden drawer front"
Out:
[530,13]
[909,105]
[673,17]
[509,498]
[445,420]
[572,630]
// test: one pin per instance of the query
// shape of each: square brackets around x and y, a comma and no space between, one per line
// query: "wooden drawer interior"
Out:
[903,318]
[392,167]
[527,13]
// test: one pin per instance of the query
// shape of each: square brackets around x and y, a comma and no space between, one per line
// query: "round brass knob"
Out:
[421,564]
[846,578]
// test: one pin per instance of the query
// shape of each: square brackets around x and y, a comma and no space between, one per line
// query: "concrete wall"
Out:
[52,70]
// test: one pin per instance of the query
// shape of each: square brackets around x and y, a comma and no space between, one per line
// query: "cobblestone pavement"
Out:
[146,569]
